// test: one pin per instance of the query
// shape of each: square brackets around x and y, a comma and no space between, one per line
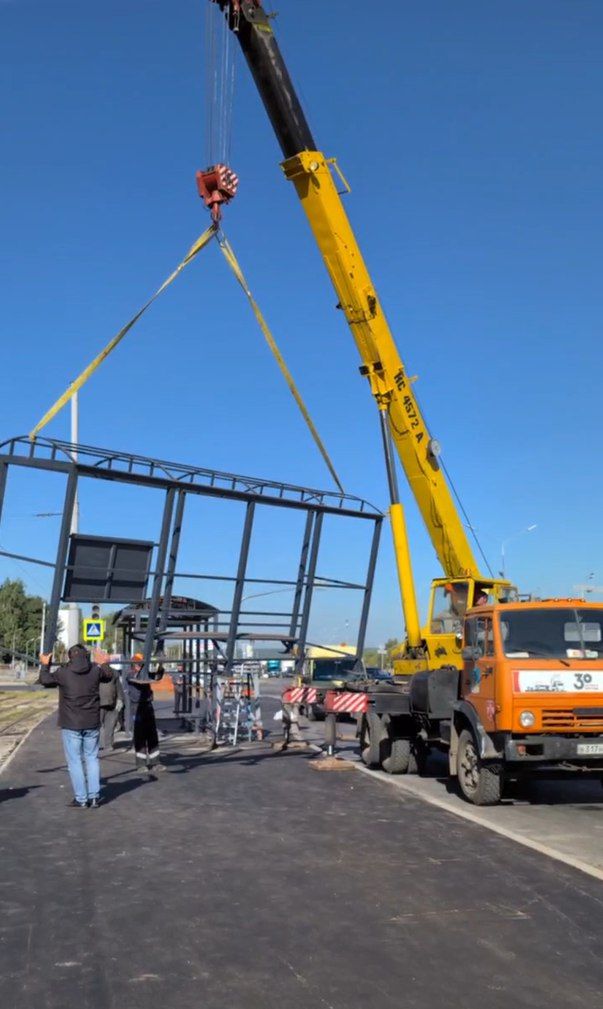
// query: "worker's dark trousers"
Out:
[146,740]
[108,723]
[178,698]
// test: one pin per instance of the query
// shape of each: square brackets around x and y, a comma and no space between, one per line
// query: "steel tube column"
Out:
[154,607]
[305,621]
[172,560]
[61,560]
[368,590]
[3,476]
[303,563]
[239,584]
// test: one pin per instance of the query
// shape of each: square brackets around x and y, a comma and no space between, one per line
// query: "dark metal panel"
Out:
[107,569]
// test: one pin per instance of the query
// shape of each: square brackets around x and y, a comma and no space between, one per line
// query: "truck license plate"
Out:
[590,749]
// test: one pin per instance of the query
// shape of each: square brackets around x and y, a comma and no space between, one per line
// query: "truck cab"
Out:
[329,667]
[442,635]
[530,694]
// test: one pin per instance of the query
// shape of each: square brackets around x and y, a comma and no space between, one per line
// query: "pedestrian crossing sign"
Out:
[94,630]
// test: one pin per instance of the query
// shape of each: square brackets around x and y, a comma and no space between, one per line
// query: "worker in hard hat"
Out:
[146,739]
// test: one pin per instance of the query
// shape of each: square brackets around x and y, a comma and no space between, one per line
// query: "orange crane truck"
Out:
[506,687]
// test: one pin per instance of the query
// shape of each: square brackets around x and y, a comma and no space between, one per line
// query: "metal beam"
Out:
[305,620]
[172,560]
[240,584]
[303,562]
[3,476]
[155,603]
[368,589]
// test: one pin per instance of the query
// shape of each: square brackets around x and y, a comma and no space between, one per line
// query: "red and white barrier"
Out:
[300,695]
[352,703]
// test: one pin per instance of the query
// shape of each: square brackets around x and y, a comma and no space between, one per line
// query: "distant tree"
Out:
[390,645]
[20,619]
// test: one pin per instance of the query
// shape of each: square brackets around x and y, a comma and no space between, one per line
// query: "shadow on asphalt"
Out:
[16,793]
[115,789]
[181,764]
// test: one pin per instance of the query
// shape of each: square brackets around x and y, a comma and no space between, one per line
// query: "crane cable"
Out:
[219,86]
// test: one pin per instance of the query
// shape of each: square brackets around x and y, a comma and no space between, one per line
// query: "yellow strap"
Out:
[236,269]
[87,372]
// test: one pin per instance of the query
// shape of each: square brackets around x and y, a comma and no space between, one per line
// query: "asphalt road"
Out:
[562,818]
[247,879]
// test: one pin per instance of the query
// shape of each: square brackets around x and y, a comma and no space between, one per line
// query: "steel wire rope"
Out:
[219,87]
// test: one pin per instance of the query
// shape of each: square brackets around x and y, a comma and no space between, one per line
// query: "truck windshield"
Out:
[552,633]
[333,669]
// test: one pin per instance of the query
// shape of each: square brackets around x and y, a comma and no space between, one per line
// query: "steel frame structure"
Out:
[178,481]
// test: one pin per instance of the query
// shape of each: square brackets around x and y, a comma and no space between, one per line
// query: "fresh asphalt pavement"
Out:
[246,879]
[563,818]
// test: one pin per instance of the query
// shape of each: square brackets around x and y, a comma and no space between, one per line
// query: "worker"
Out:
[178,682]
[111,702]
[79,720]
[146,739]
[450,619]
[481,598]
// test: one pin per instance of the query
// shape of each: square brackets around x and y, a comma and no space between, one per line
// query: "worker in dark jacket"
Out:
[79,720]
[111,701]
[146,740]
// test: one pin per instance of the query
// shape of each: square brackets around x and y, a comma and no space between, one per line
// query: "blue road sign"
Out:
[94,630]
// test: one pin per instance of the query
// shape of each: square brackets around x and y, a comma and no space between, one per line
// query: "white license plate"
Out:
[592,749]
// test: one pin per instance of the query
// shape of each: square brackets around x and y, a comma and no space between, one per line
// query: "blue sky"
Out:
[470,134]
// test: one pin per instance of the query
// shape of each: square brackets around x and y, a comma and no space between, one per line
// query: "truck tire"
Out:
[480,783]
[330,730]
[398,758]
[371,735]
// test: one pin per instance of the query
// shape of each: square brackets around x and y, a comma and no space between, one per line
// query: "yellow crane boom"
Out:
[403,425]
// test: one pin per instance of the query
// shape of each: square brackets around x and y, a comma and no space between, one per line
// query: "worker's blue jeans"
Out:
[81,752]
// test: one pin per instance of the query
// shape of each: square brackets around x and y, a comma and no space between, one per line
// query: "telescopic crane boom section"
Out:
[403,425]
[310,171]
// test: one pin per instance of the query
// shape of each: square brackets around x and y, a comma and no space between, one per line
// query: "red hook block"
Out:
[217,185]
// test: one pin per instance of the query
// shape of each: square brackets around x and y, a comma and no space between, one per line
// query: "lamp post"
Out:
[43,629]
[520,532]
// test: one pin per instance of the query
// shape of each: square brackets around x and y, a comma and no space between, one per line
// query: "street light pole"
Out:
[75,433]
[528,529]
[43,626]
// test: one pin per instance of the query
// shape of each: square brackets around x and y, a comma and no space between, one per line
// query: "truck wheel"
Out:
[330,731]
[371,735]
[480,783]
[398,759]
